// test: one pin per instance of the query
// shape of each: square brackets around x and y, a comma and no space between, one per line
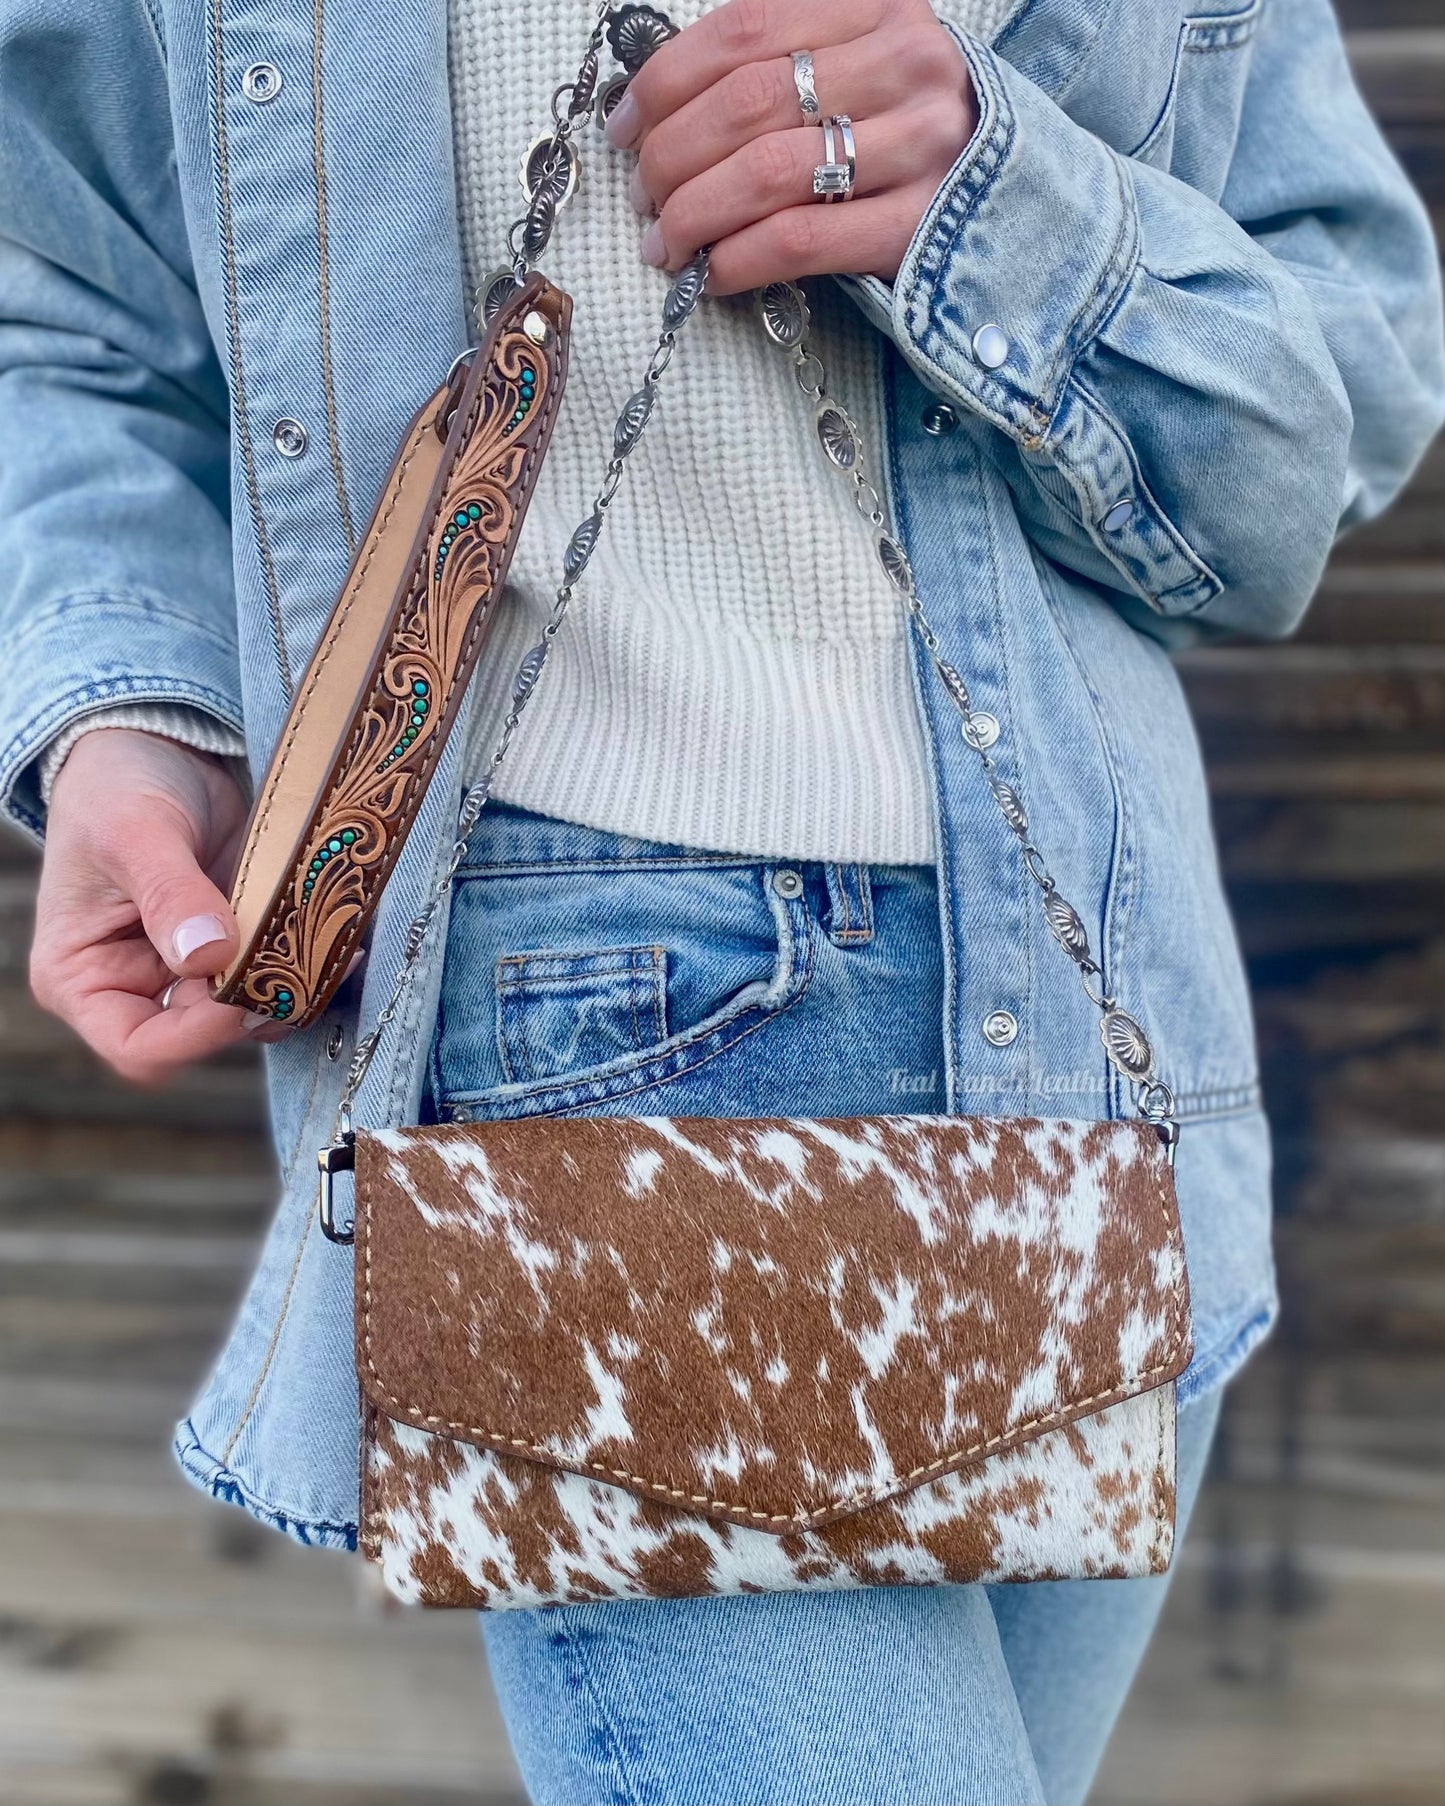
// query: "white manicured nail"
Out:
[196,932]
[622,125]
[653,249]
[641,200]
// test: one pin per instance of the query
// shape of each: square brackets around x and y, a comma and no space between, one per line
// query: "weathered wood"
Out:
[1301,688]
[1373,604]
[1387,15]
[1401,72]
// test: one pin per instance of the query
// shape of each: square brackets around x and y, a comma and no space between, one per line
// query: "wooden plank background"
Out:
[156,1648]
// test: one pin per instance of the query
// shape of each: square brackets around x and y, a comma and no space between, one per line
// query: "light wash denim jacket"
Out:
[1220,302]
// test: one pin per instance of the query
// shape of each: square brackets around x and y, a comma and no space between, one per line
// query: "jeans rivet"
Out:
[788,883]
[334,1040]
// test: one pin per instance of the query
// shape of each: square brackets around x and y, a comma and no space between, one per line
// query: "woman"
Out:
[1138,314]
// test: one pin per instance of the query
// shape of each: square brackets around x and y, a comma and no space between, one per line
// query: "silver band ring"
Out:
[169,992]
[803,80]
[832,180]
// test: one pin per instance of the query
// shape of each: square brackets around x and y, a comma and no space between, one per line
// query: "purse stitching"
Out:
[741,1513]
[338,622]
[436,745]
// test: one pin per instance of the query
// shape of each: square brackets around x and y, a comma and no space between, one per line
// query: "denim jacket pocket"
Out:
[1193,135]
[681,960]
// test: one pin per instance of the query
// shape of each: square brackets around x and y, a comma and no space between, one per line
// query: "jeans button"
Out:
[290,438]
[1000,1027]
[939,419]
[261,83]
[788,883]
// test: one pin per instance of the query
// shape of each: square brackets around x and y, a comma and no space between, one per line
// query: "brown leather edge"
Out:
[666,1490]
[230,987]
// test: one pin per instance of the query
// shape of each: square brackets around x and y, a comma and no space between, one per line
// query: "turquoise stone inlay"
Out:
[529,395]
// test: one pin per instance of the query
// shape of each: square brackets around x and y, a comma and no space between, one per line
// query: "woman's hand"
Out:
[140,827]
[726,159]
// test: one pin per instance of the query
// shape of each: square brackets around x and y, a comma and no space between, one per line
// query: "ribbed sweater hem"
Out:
[718,741]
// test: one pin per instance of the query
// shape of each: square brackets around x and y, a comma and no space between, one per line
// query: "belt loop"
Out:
[850,905]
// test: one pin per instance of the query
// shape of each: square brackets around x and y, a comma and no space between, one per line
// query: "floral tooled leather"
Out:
[367,798]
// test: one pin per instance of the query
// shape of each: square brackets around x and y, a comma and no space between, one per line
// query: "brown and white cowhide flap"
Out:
[775,1325]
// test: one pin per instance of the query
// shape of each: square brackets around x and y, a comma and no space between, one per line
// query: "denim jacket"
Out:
[1220,307]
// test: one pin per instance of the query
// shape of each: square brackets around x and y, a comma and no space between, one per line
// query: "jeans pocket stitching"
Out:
[796,960]
[639,973]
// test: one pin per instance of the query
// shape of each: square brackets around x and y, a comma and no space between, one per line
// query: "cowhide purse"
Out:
[607,1358]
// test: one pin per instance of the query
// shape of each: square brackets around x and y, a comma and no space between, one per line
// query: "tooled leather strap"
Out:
[374,709]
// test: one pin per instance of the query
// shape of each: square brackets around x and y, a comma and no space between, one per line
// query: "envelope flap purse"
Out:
[776,1322]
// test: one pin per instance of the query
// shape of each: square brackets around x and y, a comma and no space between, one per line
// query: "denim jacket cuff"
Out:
[1022,254]
[88,652]
[1026,251]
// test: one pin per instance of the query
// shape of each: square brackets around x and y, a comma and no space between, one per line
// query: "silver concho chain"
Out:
[785,318]
[550,173]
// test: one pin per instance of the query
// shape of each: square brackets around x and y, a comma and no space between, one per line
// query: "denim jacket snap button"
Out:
[1118,516]
[939,419]
[981,729]
[261,83]
[1000,1027]
[290,438]
[990,346]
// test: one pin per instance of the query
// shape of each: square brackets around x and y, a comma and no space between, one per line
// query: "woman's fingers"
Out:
[126,903]
[727,38]
[147,1044]
[774,174]
[864,237]
[864,79]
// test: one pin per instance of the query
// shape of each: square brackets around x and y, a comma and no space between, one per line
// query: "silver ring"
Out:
[832,180]
[169,992]
[803,80]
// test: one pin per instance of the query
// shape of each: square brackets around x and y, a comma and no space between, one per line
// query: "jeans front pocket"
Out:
[557,1012]
[583,969]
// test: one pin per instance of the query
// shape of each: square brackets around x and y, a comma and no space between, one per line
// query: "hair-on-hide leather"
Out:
[610,1357]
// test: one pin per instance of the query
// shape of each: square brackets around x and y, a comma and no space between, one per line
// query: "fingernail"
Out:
[641,200]
[251,1020]
[196,932]
[622,126]
[653,249]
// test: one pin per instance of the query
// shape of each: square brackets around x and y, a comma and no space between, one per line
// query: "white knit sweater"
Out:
[734,673]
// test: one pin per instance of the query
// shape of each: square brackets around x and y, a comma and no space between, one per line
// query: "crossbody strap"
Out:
[551,168]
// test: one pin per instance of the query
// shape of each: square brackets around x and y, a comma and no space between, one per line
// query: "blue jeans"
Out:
[590,973]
